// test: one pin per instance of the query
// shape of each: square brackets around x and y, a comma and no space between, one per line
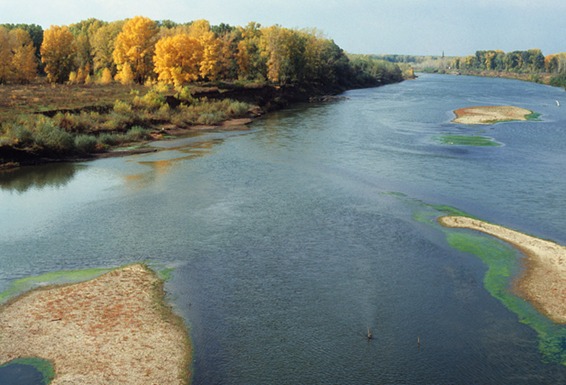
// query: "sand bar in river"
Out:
[490,114]
[114,329]
[544,280]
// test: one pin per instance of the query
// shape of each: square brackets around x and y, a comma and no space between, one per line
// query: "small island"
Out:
[114,329]
[490,114]
[544,281]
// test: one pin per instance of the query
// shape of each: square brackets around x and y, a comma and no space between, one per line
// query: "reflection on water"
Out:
[39,177]
[162,163]
[286,250]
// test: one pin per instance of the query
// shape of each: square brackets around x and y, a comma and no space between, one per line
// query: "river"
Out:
[290,240]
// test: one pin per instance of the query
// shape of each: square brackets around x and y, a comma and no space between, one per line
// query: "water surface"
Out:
[291,239]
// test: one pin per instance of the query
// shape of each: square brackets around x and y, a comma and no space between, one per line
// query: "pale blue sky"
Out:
[423,27]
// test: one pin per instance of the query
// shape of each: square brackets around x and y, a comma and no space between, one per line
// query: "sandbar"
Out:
[490,114]
[543,282]
[114,329]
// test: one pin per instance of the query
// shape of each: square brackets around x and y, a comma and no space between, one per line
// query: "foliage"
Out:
[369,69]
[135,47]
[178,59]
[18,63]
[58,53]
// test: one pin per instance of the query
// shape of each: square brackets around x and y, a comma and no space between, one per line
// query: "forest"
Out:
[139,50]
[531,65]
[73,91]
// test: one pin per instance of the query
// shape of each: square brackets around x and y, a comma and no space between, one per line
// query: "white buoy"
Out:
[557,103]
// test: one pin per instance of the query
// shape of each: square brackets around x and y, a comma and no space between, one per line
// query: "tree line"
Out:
[140,50]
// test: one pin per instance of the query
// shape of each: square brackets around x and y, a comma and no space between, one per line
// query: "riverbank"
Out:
[114,329]
[76,126]
[490,114]
[543,282]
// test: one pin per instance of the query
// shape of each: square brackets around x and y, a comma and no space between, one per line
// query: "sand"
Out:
[114,329]
[544,281]
[490,114]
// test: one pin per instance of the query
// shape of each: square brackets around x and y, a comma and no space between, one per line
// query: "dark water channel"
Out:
[291,239]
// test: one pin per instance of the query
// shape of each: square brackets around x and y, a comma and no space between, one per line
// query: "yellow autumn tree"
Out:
[135,46]
[178,59]
[5,55]
[58,53]
[126,75]
[106,77]
[210,66]
[24,61]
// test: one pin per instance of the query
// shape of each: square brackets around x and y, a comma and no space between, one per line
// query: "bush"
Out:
[17,135]
[85,144]
[136,133]
[153,100]
[238,109]
[50,138]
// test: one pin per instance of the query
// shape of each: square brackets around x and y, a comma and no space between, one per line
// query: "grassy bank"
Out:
[42,122]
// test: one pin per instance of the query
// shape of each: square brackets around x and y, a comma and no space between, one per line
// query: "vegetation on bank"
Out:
[117,81]
[530,65]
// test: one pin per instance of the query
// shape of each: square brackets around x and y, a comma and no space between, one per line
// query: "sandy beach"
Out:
[489,114]
[114,329]
[544,280]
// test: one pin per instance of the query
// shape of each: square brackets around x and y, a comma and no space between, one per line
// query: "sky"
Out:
[416,27]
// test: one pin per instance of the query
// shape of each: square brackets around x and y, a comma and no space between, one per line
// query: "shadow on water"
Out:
[38,177]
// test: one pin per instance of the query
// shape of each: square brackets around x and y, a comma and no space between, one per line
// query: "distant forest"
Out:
[530,65]
[139,50]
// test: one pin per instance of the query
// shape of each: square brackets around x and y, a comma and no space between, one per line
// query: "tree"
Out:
[210,66]
[135,46]
[106,76]
[251,64]
[24,61]
[284,51]
[102,42]
[5,55]
[58,53]
[126,75]
[178,59]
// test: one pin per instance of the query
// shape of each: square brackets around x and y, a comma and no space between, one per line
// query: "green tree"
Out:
[102,43]
[251,64]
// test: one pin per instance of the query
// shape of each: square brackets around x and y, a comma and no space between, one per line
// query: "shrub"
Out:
[85,144]
[152,100]
[51,138]
[18,134]
[136,133]
[121,107]
[238,109]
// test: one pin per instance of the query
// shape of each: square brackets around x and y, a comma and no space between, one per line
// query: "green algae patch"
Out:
[468,140]
[42,366]
[533,116]
[503,265]
[53,278]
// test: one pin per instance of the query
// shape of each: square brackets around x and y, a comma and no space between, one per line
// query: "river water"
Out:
[290,240]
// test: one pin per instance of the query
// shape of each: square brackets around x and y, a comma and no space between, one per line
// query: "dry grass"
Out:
[114,329]
[41,96]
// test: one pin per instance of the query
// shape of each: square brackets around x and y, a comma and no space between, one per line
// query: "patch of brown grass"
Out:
[41,96]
